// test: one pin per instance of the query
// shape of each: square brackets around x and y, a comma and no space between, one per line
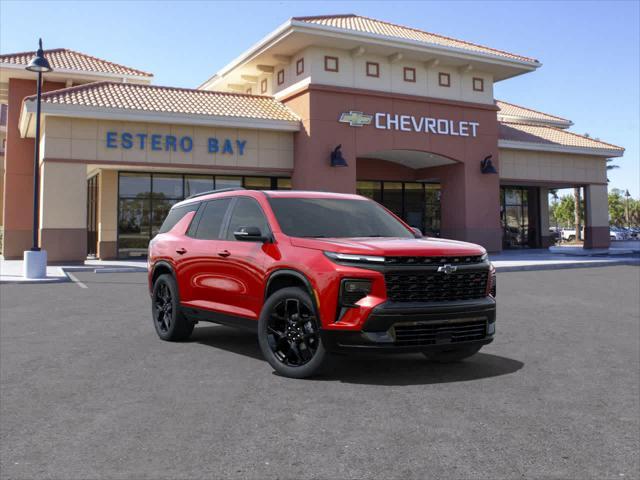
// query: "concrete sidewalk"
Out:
[507,261]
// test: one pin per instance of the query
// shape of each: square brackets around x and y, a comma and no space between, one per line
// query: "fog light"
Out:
[353,290]
[492,329]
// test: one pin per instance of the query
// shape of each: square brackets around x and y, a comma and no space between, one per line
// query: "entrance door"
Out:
[519,217]
[92,216]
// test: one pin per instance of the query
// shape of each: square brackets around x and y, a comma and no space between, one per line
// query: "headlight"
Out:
[352,290]
[484,257]
[350,258]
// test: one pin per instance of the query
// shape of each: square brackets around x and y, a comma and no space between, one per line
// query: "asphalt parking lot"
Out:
[88,391]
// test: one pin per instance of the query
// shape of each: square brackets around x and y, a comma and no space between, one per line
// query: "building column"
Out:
[596,216]
[546,240]
[470,205]
[107,214]
[63,211]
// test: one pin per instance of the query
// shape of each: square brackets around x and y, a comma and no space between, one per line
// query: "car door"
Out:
[243,264]
[199,266]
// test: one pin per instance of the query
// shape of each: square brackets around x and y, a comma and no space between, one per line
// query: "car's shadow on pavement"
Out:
[371,369]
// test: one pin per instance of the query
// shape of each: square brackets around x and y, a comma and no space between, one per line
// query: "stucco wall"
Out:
[551,167]
[352,73]
[85,140]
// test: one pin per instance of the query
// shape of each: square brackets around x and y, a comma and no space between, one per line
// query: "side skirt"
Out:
[201,315]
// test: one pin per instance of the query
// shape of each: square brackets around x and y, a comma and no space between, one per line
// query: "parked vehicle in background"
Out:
[313,273]
[618,234]
[569,234]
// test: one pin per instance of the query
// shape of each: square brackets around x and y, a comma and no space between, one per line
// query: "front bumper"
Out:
[419,327]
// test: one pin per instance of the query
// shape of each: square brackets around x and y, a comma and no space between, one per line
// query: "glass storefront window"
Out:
[414,205]
[518,225]
[167,186]
[145,199]
[228,182]
[372,190]
[284,184]
[196,184]
[392,196]
[135,184]
[257,183]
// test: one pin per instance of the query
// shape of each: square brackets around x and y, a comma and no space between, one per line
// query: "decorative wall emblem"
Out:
[356,119]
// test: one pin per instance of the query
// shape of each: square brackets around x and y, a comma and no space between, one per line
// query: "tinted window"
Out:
[325,217]
[175,215]
[211,219]
[247,213]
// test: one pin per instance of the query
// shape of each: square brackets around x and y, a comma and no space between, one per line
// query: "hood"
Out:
[391,246]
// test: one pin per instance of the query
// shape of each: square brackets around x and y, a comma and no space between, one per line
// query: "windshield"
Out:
[335,218]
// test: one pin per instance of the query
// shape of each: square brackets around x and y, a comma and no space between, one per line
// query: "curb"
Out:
[566,266]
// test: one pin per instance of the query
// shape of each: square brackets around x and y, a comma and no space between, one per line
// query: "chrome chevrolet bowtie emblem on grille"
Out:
[355,119]
[447,269]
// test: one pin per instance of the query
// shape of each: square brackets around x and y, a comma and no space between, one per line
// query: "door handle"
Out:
[181,251]
[224,253]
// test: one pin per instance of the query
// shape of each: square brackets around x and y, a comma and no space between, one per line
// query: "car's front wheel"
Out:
[289,335]
[170,323]
[453,355]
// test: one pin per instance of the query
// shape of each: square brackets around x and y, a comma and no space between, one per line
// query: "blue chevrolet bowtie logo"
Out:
[355,119]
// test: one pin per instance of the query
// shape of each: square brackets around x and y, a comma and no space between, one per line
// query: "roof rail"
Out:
[209,192]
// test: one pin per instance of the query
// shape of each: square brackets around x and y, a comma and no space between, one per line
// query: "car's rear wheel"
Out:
[289,335]
[453,355]
[170,323]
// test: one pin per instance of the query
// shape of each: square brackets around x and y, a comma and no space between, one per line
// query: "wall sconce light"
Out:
[337,160]
[486,166]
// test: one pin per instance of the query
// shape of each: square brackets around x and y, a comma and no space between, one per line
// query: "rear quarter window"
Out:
[176,214]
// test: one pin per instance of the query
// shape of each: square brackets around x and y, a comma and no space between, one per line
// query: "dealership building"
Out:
[338,103]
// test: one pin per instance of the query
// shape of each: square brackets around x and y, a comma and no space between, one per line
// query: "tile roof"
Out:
[65,59]
[512,110]
[544,135]
[152,98]
[370,25]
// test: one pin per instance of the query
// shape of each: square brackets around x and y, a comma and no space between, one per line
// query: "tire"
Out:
[289,334]
[171,325]
[453,355]
[571,238]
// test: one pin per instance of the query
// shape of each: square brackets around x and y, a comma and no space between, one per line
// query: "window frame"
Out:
[407,70]
[441,82]
[327,59]
[280,76]
[300,66]
[263,85]
[480,82]
[377,67]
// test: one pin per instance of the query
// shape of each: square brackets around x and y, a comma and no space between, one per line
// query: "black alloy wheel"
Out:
[170,323]
[289,335]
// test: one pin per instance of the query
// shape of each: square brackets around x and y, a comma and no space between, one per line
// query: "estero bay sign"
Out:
[411,123]
[171,143]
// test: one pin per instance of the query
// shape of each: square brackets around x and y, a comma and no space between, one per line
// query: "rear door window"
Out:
[212,218]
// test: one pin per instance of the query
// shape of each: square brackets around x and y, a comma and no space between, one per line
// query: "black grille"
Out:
[468,260]
[436,286]
[440,333]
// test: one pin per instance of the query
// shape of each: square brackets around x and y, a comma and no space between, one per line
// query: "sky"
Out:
[590,51]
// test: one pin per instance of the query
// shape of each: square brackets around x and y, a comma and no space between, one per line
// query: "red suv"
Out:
[314,273]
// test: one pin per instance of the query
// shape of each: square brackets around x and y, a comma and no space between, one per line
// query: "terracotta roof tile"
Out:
[517,132]
[379,27]
[513,110]
[153,98]
[65,59]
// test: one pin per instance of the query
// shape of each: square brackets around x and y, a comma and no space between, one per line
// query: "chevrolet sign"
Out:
[355,119]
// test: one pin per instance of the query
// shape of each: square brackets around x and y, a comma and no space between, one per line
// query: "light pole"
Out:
[35,260]
[626,208]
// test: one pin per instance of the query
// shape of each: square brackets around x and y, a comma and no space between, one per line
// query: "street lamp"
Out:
[35,260]
[626,208]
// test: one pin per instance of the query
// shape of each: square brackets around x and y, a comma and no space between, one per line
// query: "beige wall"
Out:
[552,167]
[80,139]
[63,195]
[352,73]
[108,206]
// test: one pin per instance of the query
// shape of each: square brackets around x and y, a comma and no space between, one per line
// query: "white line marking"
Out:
[75,280]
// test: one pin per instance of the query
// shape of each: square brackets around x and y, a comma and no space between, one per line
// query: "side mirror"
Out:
[250,234]
[416,232]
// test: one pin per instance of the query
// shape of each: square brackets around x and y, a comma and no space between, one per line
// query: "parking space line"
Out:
[75,280]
